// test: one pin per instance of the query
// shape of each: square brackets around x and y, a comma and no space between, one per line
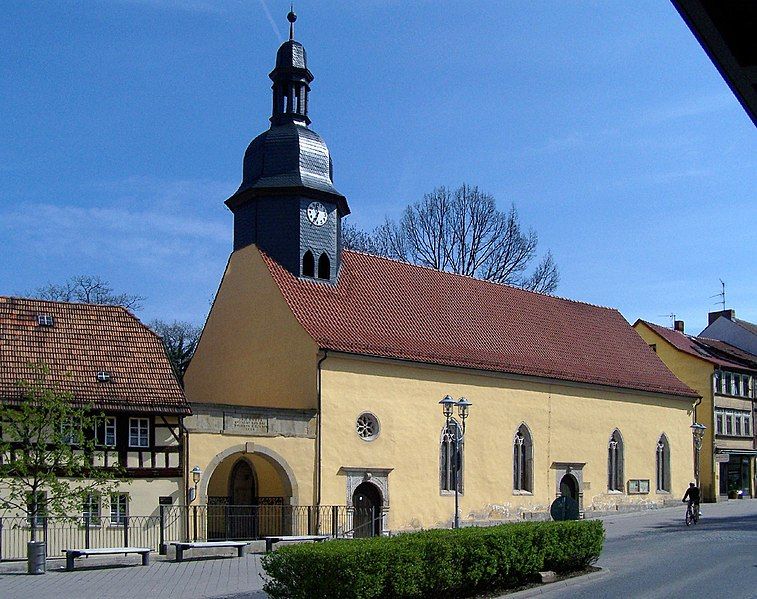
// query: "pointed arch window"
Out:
[615,462]
[451,458]
[308,264]
[324,266]
[523,460]
[663,464]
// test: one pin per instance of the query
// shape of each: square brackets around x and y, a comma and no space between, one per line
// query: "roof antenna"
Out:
[721,295]
[291,17]
[672,319]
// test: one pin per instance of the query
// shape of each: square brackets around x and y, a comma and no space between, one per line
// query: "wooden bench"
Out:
[269,541]
[181,546]
[72,554]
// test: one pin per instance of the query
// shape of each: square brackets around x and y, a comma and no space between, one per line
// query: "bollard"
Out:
[35,557]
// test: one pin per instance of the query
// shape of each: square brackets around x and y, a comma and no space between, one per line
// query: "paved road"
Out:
[648,554]
[653,554]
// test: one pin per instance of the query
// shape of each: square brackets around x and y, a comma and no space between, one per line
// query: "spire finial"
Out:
[291,17]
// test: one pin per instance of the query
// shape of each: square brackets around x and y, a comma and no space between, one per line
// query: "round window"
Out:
[367,426]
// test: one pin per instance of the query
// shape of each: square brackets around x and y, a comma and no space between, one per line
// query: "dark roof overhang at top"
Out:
[727,30]
[288,159]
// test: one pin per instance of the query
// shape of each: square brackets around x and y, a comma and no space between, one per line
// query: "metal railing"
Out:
[187,523]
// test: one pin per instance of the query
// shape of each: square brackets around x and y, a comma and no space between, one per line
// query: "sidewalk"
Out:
[119,577]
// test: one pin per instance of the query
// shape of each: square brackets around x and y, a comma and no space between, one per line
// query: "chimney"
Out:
[678,326]
[713,316]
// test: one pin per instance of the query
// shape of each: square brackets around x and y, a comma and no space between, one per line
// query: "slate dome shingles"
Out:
[386,308]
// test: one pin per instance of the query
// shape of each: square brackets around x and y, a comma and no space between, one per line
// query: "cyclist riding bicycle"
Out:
[692,495]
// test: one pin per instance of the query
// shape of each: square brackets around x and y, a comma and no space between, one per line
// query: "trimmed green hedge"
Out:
[433,563]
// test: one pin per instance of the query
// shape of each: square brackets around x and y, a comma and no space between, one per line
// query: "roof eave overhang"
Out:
[244,195]
[687,397]
[741,79]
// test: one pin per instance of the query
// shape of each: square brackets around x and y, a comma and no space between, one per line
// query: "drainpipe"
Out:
[318,434]
[185,451]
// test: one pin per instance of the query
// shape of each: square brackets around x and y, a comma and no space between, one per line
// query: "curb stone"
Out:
[551,586]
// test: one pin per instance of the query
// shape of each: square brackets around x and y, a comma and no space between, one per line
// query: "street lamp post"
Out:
[196,474]
[697,430]
[448,407]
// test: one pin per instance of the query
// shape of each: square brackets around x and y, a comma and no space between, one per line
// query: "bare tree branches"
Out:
[461,231]
[180,340]
[88,290]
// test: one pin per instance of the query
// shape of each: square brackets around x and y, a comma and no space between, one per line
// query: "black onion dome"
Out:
[291,54]
[289,156]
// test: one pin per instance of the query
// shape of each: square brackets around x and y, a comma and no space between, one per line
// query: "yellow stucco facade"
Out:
[261,391]
[697,373]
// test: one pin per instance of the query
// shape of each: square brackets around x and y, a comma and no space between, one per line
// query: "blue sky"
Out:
[124,124]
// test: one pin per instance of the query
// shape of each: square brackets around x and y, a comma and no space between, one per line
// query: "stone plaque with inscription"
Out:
[244,424]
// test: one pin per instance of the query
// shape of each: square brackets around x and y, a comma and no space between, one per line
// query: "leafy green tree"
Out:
[48,453]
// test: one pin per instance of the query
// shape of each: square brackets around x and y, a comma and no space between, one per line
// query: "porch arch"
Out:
[279,464]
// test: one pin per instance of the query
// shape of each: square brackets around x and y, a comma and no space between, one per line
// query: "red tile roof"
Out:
[386,308]
[710,350]
[85,339]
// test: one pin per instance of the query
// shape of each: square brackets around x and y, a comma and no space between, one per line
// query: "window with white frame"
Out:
[139,432]
[733,383]
[734,423]
[106,431]
[69,432]
[90,509]
[39,510]
[119,507]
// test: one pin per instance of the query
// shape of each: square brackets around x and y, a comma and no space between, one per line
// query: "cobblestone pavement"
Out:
[121,577]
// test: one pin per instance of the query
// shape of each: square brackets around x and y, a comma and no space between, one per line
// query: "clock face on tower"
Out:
[317,214]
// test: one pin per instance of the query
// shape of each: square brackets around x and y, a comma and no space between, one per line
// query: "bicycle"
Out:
[692,513]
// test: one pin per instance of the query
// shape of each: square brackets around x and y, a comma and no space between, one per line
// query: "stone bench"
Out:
[269,541]
[72,554]
[181,546]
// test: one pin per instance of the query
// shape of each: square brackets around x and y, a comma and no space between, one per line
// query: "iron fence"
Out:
[187,523]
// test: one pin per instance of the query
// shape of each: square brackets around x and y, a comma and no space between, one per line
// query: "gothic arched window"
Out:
[523,468]
[615,462]
[324,266]
[663,464]
[451,462]
[308,264]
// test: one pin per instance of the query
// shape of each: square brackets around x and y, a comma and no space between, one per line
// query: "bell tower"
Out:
[287,204]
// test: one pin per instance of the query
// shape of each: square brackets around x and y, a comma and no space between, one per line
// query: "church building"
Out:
[318,376]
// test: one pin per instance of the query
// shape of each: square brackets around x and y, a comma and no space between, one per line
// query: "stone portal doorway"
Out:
[366,501]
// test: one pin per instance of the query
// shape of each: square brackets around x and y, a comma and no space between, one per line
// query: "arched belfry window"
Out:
[308,264]
[450,461]
[324,266]
[523,460]
[663,464]
[615,462]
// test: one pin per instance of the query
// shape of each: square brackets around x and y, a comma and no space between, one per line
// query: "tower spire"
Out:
[291,81]
[291,17]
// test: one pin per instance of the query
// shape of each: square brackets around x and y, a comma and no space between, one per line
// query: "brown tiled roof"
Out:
[85,339]
[382,307]
[711,350]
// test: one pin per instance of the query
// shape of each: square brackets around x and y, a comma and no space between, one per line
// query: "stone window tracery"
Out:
[523,460]
[367,426]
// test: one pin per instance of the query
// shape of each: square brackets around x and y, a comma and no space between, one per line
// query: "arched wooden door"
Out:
[242,520]
[366,520]
[569,487]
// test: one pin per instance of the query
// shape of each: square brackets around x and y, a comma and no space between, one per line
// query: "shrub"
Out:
[433,563]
